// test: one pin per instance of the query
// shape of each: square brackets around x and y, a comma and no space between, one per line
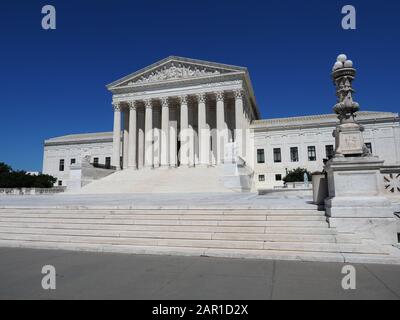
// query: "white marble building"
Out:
[182,113]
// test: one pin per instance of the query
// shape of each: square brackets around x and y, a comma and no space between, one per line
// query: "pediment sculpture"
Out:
[174,72]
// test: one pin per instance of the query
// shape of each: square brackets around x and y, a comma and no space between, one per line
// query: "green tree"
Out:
[20,179]
[297,175]
[4,168]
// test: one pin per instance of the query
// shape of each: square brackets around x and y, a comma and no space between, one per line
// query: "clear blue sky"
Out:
[53,82]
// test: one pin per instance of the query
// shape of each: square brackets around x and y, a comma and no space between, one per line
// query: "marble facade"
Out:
[182,112]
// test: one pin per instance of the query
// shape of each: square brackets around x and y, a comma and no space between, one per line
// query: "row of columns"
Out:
[167,150]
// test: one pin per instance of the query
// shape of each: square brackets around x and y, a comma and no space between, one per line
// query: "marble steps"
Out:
[176,228]
[293,234]
[193,217]
[167,211]
[182,251]
[166,222]
[172,234]
[159,181]
[202,244]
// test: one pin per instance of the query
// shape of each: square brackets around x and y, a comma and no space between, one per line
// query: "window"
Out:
[312,155]
[260,156]
[329,151]
[294,154]
[277,155]
[369,146]
[60,183]
[108,162]
[96,161]
[62,165]
[73,161]
[278,177]
[261,178]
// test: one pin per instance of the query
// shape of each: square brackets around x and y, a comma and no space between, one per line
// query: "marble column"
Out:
[239,119]
[140,137]
[125,139]
[116,162]
[184,151]
[203,132]
[165,148]
[149,154]
[221,126]
[132,135]
[173,137]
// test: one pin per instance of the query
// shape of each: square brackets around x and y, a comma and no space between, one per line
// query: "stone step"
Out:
[163,211]
[214,229]
[109,220]
[226,253]
[164,217]
[173,235]
[222,244]
[182,251]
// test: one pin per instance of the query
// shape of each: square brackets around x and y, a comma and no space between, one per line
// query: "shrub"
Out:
[297,175]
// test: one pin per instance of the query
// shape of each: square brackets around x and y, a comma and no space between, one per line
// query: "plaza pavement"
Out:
[82,275]
[186,200]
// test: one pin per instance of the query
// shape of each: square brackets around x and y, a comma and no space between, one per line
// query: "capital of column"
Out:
[148,103]
[239,94]
[165,102]
[220,95]
[133,105]
[116,106]
[183,99]
[201,97]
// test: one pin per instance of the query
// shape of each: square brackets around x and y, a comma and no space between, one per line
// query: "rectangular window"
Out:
[277,155]
[369,146]
[96,161]
[108,162]
[312,154]
[260,156]
[294,154]
[278,177]
[329,151]
[62,165]
[60,183]
[261,178]
[73,161]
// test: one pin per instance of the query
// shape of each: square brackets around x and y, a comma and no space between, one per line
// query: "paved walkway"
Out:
[112,276]
[225,200]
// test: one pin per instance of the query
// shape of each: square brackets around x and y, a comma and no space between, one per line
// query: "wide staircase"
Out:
[283,234]
[176,180]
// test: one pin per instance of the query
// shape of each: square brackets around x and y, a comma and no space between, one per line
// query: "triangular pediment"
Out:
[175,69]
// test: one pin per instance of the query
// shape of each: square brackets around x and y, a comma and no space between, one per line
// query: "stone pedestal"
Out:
[349,139]
[356,202]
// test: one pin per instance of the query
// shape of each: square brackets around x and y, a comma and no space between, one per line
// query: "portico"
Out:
[180,113]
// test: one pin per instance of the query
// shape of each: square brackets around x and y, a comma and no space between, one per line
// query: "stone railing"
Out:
[30,191]
[391,180]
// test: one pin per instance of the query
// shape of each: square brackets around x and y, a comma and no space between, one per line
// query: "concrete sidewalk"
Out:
[83,275]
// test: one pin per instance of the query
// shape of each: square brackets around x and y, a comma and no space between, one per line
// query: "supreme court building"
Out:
[186,113]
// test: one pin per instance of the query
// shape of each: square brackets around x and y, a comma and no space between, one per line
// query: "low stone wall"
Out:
[296,185]
[30,191]
[85,173]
